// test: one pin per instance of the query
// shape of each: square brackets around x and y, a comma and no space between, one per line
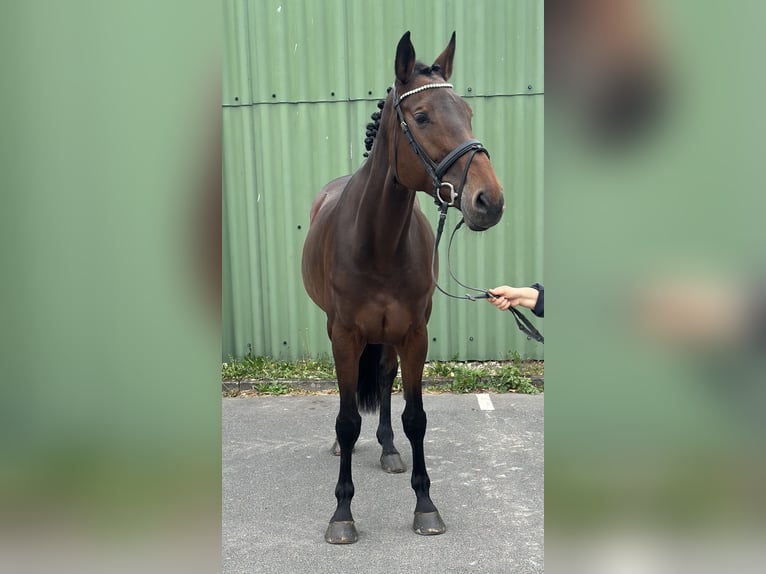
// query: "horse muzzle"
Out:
[482,209]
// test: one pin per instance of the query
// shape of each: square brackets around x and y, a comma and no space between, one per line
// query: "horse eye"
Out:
[421,118]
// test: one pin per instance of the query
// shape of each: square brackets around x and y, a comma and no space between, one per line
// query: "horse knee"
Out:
[414,423]
[347,428]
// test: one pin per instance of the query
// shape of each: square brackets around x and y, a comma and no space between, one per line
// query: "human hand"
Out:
[505,296]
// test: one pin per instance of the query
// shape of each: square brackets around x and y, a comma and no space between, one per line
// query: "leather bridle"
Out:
[436,172]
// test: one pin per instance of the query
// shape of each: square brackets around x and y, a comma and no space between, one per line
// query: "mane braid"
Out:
[373,127]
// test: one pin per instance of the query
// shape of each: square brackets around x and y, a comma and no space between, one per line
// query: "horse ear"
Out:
[444,61]
[405,59]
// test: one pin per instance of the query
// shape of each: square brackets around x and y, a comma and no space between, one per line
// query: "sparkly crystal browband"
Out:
[425,87]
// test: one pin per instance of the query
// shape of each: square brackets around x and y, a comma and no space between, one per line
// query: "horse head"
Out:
[442,155]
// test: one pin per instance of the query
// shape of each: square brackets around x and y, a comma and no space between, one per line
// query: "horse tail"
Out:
[368,388]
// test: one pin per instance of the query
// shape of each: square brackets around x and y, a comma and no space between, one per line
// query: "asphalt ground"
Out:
[486,470]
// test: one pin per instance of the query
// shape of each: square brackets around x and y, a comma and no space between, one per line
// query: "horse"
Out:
[367,263]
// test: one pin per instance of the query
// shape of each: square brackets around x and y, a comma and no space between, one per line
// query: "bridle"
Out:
[436,172]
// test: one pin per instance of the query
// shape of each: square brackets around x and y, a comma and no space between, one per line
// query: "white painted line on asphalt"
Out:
[485,403]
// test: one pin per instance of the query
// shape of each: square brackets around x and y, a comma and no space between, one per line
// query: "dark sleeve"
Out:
[539,309]
[758,326]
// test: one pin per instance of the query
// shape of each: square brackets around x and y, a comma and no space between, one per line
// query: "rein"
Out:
[522,322]
[436,172]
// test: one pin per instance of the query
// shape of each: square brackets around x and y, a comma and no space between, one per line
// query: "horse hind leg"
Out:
[390,459]
[378,366]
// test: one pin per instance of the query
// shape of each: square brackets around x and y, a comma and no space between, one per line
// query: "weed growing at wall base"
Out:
[275,377]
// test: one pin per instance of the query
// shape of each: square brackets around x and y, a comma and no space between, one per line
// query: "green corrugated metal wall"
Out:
[300,80]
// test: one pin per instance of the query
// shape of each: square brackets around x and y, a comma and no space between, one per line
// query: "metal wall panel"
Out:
[306,50]
[286,135]
[284,51]
[499,42]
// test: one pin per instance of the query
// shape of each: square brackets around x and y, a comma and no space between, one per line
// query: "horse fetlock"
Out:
[385,438]
[344,492]
[421,484]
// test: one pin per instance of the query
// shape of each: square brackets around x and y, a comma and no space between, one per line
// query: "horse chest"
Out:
[386,321]
[381,309]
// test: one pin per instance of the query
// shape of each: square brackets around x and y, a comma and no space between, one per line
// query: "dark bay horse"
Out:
[367,263]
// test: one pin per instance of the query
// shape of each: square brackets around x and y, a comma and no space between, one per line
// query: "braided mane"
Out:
[373,126]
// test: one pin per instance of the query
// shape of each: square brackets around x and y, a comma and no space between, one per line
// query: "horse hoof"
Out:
[336,449]
[428,523]
[392,463]
[341,532]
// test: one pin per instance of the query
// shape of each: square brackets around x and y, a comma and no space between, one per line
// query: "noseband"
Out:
[436,171]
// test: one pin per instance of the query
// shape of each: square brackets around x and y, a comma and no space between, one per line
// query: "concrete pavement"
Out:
[486,470]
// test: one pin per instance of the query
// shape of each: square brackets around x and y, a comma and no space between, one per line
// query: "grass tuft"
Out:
[273,376]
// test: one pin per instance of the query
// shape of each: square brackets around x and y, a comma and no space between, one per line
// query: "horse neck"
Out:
[384,212]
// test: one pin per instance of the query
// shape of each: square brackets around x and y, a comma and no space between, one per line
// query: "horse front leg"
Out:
[390,459]
[427,520]
[346,352]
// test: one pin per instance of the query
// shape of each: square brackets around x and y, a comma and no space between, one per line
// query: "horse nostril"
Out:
[480,201]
